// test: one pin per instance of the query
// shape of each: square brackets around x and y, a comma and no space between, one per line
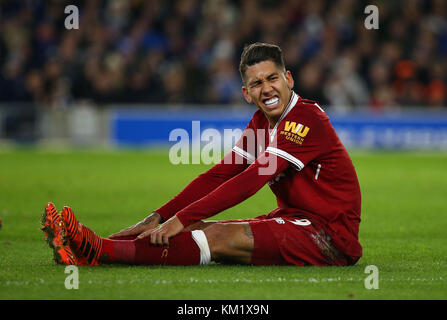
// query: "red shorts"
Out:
[291,241]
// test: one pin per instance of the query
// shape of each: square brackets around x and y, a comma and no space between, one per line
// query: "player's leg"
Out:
[267,241]
[227,241]
[230,242]
[271,241]
[90,249]
[247,241]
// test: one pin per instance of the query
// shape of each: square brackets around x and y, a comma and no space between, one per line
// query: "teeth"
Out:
[272,101]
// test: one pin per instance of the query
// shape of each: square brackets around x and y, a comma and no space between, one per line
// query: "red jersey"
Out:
[321,182]
[305,165]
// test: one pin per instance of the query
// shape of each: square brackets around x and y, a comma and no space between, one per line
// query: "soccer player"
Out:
[289,144]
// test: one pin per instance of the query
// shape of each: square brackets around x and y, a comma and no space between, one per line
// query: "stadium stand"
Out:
[187,51]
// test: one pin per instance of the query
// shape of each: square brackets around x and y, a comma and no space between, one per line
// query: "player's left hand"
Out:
[161,234]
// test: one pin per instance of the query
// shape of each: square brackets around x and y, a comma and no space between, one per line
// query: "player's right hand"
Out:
[150,222]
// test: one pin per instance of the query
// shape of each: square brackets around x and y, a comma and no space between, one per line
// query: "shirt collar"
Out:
[292,102]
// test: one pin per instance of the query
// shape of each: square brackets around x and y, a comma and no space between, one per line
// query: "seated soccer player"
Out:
[300,157]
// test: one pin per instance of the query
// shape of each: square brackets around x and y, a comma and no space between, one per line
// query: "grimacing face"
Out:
[268,87]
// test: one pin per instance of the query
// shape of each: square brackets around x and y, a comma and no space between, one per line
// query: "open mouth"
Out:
[271,102]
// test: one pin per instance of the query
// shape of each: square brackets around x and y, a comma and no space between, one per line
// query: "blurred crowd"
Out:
[187,51]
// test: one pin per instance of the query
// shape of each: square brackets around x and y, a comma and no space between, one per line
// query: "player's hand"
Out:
[149,223]
[161,234]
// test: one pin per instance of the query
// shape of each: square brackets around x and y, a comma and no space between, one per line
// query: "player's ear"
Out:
[246,95]
[289,79]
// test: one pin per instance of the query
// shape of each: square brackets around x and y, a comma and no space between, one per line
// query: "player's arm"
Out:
[227,195]
[235,190]
[231,165]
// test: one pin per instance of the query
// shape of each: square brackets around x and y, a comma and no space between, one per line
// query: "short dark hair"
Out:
[258,52]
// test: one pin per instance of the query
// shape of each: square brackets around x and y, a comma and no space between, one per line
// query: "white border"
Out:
[244,154]
[287,156]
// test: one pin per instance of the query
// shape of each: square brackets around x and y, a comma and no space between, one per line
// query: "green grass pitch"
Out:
[403,229]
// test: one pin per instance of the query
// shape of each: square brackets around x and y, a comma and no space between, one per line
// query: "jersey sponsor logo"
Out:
[295,132]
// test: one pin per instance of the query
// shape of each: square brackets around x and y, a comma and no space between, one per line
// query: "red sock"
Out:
[182,250]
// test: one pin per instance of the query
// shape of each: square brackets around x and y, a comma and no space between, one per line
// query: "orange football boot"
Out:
[85,244]
[52,227]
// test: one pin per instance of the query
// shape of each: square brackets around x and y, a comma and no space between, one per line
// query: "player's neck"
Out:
[274,120]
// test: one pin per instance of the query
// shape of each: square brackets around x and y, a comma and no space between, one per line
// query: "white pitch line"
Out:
[38,282]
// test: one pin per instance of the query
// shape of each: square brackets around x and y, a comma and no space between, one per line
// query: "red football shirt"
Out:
[305,165]
[321,182]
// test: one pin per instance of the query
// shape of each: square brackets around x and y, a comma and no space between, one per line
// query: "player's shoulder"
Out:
[309,106]
[310,109]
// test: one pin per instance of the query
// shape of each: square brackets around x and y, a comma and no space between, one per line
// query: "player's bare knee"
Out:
[228,240]
[216,235]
